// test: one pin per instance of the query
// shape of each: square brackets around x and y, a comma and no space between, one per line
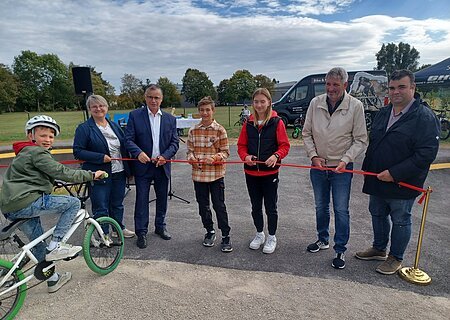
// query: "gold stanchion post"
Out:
[414,274]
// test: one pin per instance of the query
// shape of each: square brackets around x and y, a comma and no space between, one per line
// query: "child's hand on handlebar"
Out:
[99,174]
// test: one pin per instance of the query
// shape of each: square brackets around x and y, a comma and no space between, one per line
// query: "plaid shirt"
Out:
[208,142]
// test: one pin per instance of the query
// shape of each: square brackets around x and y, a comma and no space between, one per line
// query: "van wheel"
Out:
[284,119]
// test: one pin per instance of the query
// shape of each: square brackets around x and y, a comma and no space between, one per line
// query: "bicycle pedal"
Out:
[71,258]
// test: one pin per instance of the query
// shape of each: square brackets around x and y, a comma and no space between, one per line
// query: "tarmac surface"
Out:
[181,279]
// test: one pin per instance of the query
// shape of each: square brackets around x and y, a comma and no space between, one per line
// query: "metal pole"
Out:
[414,274]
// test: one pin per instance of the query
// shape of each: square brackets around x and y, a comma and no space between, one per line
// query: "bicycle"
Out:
[445,124]
[241,121]
[298,126]
[101,253]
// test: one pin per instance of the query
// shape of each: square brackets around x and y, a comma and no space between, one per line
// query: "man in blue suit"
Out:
[151,137]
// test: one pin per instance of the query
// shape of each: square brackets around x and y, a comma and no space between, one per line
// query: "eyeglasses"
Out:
[98,107]
[153,98]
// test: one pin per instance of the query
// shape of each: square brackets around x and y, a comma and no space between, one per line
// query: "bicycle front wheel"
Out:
[100,257]
[445,129]
[12,301]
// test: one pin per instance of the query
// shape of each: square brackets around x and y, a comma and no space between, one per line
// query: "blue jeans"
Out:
[399,211]
[107,197]
[326,183]
[67,207]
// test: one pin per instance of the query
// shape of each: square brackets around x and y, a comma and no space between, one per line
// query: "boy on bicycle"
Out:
[27,188]
[208,142]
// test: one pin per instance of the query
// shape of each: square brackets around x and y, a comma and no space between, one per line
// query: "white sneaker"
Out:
[63,278]
[258,241]
[270,245]
[62,251]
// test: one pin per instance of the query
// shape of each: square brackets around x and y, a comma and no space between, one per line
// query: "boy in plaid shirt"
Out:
[207,143]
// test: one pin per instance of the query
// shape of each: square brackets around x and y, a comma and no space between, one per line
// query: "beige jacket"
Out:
[340,137]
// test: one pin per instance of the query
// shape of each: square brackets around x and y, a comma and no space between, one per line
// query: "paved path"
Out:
[181,279]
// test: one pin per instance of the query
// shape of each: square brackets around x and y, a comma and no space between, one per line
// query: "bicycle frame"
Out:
[82,216]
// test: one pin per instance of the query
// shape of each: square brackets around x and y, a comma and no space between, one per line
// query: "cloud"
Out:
[153,39]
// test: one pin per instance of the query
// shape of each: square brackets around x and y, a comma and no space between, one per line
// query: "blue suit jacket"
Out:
[138,138]
[90,146]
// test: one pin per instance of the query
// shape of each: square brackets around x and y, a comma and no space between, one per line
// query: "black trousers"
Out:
[216,189]
[265,189]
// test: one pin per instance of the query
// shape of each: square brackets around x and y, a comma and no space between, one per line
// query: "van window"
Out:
[319,89]
[298,93]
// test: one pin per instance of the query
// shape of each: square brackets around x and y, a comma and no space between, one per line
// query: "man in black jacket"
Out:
[403,142]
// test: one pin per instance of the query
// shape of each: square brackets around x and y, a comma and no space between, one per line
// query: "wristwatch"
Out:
[277,156]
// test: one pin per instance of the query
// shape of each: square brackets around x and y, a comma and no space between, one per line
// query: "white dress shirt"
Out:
[155,125]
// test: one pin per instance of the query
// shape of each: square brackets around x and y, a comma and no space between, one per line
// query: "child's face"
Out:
[206,112]
[43,136]
[260,104]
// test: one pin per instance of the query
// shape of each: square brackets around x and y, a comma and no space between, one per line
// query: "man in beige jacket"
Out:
[334,135]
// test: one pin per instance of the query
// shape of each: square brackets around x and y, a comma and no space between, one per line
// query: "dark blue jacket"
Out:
[91,146]
[138,138]
[407,150]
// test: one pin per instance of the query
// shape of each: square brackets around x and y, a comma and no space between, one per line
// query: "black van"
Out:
[368,86]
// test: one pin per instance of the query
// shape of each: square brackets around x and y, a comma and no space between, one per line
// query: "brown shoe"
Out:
[371,254]
[390,266]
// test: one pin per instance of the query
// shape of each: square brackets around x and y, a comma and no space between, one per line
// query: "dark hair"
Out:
[400,74]
[206,101]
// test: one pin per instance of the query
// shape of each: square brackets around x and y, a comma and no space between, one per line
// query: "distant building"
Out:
[281,88]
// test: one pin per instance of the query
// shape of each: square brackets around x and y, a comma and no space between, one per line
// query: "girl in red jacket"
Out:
[262,144]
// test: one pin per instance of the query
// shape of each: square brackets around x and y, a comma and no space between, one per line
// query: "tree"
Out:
[263,81]
[196,85]
[44,82]
[9,89]
[224,92]
[171,97]
[132,92]
[392,57]
[242,85]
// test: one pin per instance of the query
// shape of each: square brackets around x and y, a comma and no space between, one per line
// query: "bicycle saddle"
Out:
[7,231]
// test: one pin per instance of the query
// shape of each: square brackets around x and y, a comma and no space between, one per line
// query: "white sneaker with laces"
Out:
[270,245]
[257,241]
[62,251]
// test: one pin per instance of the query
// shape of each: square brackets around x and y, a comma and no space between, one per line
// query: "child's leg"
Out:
[67,207]
[33,229]
[202,197]
[218,199]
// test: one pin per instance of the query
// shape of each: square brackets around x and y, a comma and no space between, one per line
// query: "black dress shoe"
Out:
[141,241]
[163,234]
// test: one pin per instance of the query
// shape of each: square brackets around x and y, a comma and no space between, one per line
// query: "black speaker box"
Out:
[82,80]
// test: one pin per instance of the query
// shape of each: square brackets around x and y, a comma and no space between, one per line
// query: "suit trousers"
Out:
[157,176]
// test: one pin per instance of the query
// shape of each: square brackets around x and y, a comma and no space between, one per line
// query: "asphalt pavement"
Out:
[355,289]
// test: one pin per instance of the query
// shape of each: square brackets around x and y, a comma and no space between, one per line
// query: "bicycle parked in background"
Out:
[298,125]
[445,124]
[101,252]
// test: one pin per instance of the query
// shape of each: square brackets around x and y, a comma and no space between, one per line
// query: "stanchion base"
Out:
[415,276]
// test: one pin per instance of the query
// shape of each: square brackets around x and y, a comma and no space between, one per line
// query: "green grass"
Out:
[12,124]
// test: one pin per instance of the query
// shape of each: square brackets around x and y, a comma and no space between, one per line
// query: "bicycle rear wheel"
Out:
[99,257]
[12,301]
[445,129]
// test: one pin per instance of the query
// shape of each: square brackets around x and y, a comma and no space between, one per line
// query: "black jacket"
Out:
[407,150]
[262,143]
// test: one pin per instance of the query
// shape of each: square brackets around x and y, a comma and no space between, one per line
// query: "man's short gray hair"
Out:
[338,72]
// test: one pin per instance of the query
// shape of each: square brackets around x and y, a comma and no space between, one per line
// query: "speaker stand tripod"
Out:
[171,194]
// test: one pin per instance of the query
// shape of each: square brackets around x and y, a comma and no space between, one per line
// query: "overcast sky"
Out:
[282,39]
